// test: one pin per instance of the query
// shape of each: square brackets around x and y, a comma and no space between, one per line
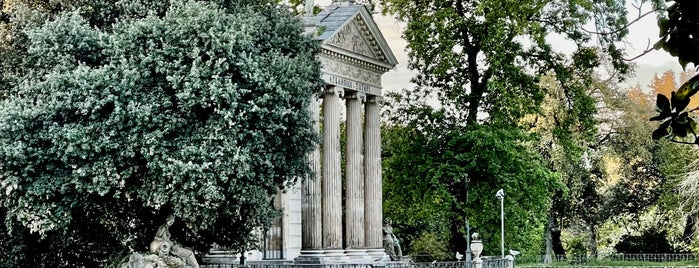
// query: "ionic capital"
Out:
[375,99]
[361,96]
[339,91]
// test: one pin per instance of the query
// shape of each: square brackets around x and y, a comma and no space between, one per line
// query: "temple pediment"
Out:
[354,52]
[351,31]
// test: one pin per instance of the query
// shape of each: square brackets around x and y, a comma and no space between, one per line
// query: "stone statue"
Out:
[162,245]
[137,260]
[390,242]
[164,253]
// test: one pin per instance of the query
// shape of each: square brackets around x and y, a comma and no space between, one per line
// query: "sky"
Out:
[641,33]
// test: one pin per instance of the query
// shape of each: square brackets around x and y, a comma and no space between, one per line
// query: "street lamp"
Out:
[468,228]
[501,195]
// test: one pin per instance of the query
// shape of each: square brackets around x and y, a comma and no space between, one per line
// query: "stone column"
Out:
[311,209]
[354,177]
[373,215]
[332,180]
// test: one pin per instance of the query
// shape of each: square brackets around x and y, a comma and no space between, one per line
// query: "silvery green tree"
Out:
[191,108]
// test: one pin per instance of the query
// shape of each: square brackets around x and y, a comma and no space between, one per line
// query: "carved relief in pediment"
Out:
[356,38]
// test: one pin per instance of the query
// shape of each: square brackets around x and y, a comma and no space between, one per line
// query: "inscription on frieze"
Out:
[353,72]
[351,85]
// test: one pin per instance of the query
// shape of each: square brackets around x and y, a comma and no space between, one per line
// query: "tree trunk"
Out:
[457,241]
[593,241]
[689,229]
[549,238]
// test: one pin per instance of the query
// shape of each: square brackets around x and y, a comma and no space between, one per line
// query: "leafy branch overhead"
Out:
[676,122]
[678,31]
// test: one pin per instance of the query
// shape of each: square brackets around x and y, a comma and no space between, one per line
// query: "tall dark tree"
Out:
[481,61]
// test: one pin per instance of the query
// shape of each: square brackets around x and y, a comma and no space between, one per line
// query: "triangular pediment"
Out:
[355,38]
[351,31]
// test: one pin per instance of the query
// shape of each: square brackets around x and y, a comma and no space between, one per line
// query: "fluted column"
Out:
[332,180]
[372,175]
[354,177]
[311,209]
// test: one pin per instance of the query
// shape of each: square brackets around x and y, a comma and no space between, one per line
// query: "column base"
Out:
[310,256]
[358,255]
[378,254]
[336,256]
[322,256]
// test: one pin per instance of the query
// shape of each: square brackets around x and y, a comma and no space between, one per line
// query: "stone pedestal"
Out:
[220,257]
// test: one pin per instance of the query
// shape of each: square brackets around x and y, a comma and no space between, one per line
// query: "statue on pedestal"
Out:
[390,242]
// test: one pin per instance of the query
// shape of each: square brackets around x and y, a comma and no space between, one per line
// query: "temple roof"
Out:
[350,30]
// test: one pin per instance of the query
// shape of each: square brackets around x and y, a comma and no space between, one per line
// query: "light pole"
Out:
[468,228]
[501,195]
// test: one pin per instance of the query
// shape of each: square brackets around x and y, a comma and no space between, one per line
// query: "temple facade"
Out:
[322,224]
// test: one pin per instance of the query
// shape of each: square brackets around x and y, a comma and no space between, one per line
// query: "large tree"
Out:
[187,108]
[481,61]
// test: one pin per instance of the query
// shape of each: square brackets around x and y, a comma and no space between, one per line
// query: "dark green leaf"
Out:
[679,128]
[662,104]
[661,131]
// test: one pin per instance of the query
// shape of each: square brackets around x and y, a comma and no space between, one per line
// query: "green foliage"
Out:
[679,26]
[576,246]
[675,121]
[432,245]
[483,62]
[425,186]
[199,111]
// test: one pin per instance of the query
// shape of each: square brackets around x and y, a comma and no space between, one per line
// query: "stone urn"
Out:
[476,246]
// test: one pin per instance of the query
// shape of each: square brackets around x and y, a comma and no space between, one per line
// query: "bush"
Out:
[650,241]
[431,246]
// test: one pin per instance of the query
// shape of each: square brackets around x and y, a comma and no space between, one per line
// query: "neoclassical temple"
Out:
[354,57]
[321,223]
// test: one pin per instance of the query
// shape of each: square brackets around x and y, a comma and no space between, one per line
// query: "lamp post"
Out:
[501,195]
[468,228]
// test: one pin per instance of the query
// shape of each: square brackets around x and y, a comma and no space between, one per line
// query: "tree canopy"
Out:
[190,108]
[482,63]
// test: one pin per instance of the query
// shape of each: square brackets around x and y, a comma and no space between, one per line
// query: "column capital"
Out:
[339,91]
[375,99]
[361,96]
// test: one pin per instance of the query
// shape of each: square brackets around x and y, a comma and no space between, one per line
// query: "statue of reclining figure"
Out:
[163,246]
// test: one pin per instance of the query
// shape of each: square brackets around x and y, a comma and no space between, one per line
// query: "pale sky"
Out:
[640,32]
